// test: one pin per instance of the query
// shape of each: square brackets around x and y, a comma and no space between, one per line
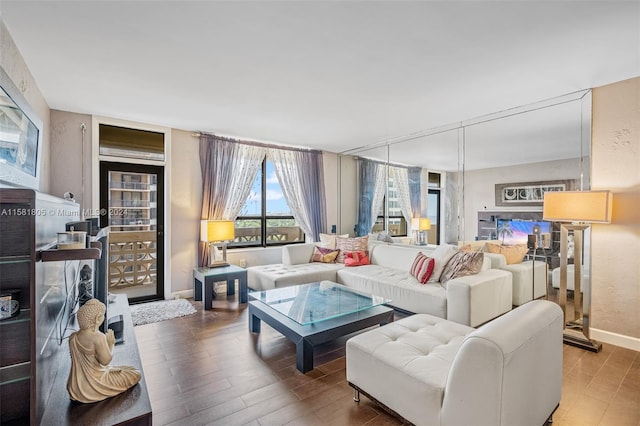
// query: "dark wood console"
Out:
[34,351]
[29,342]
[132,407]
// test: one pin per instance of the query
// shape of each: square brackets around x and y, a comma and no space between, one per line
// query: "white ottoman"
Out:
[523,280]
[555,278]
[266,277]
[406,363]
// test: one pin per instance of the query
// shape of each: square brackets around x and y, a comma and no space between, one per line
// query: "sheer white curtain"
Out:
[245,164]
[379,192]
[301,178]
[228,170]
[401,178]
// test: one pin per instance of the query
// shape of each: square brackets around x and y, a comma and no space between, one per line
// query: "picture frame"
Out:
[529,193]
[20,138]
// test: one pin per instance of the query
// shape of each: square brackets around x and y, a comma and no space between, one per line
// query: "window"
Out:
[397,222]
[433,203]
[265,219]
[434,180]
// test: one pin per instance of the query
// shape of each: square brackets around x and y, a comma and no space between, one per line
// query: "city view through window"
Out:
[276,218]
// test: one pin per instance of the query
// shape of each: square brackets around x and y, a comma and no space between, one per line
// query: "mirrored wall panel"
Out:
[480,179]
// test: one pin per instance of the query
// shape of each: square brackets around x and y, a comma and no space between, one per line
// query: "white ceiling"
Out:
[330,75]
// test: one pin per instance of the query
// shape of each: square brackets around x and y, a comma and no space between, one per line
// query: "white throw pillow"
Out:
[441,256]
[329,240]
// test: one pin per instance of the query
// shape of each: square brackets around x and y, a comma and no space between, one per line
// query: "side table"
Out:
[204,278]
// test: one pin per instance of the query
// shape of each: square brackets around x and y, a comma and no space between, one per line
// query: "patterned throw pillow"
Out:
[462,264]
[441,256]
[329,240]
[356,258]
[513,254]
[324,255]
[422,267]
[350,244]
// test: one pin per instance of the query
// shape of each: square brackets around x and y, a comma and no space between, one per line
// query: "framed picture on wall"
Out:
[20,137]
[529,193]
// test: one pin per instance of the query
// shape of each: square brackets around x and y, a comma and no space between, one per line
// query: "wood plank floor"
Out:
[208,369]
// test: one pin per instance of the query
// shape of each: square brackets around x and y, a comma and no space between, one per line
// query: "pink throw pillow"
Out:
[356,258]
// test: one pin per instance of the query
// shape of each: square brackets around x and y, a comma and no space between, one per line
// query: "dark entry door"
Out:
[132,200]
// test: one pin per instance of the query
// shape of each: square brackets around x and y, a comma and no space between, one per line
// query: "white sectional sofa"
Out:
[529,277]
[470,300]
[432,371]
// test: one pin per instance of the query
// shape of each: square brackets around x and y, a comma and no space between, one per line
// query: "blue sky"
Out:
[276,203]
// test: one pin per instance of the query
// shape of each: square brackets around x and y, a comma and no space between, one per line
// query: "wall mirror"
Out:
[541,143]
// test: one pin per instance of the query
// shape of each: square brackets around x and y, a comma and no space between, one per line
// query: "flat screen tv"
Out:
[20,137]
[513,231]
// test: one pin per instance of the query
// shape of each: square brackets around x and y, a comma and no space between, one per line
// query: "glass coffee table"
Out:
[312,314]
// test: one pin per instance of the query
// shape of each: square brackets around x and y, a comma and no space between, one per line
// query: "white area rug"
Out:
[147,313]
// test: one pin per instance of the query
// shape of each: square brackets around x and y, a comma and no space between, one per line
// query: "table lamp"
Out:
[581,209]
[419,225]
[216,233]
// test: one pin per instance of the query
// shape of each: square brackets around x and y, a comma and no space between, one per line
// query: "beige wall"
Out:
[348,194]
[13,64]
[616,247]
[184,201]
[330,162]
[66,157]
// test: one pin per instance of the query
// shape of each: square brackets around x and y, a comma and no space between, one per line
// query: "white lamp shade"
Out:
[217,230]
[578,206]
[415,223]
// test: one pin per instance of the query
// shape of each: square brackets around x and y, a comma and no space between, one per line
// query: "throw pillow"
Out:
[441,256]
[324,255]
[329,240]
[356,258]
[462,264]
[422,267]
[385,237]
[486,249]
[513,254]
[350,244]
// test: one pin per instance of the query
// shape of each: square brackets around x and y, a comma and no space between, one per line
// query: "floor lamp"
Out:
[580,209]
[216,233]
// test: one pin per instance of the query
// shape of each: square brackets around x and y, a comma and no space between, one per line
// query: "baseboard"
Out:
[616,339]
[184,294]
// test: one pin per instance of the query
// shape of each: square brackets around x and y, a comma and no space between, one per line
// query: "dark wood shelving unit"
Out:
[55,255]
[17,334]
[42,279]
[34,355]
